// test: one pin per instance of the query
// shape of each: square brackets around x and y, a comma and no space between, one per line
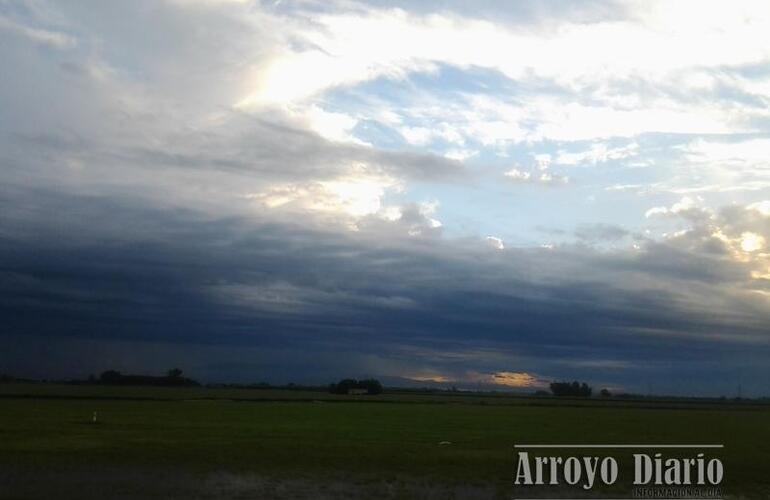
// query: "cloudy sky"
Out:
[429,193]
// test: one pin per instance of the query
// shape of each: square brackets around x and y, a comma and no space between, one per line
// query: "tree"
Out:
[344,386]
[110,377]
[573,389]
[172,378]
[372,386]
[605,393]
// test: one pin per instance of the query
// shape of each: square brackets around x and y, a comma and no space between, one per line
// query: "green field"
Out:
[229,443]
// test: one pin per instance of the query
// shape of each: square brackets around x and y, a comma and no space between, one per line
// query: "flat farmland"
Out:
[238,443]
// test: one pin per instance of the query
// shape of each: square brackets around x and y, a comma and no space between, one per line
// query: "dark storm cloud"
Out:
[110,270]
[277,149]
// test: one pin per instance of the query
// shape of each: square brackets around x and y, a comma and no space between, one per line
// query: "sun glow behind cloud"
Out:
[350,49]
[356,195]
[472,380]
[669,48]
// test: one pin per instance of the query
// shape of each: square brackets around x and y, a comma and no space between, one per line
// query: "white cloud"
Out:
[495,242]
[763,207]
[576,122]
[426,222]
[723,166]
[345,49]
[654,211]
[685,204]
[41,36]
[417,136]
[518,175]
[411,219]
[750,154]
[460,154]
[333,126]
[549,178]
[654,44]
[751,242]
[353,195]
[734,236]
[597,153]
[542,161]
[521,176]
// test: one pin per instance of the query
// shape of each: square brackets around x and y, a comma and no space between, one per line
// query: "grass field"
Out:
[228,443]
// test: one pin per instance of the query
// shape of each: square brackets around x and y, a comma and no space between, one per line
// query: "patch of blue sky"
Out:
[442,81]
[407,99]
[612,190]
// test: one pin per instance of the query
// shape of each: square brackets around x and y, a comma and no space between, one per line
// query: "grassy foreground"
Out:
[222,443]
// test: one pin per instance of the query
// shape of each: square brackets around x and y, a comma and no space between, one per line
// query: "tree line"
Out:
[348,385]
[173,378]
[574,389]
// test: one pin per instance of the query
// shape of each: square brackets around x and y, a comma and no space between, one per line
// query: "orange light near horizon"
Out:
[515,379]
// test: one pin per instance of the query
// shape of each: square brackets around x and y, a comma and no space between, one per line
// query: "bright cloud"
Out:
[762,207]
[751,154]
[547,178]
[598,153]
[516,380]
[667,50]
[751,242]
[684,205]
[353,48]
[354,195]
[495,242]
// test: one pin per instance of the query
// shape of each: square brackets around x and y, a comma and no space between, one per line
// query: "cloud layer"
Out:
[302,192]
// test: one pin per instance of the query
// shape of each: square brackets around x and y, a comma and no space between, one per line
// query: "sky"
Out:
[484,195]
